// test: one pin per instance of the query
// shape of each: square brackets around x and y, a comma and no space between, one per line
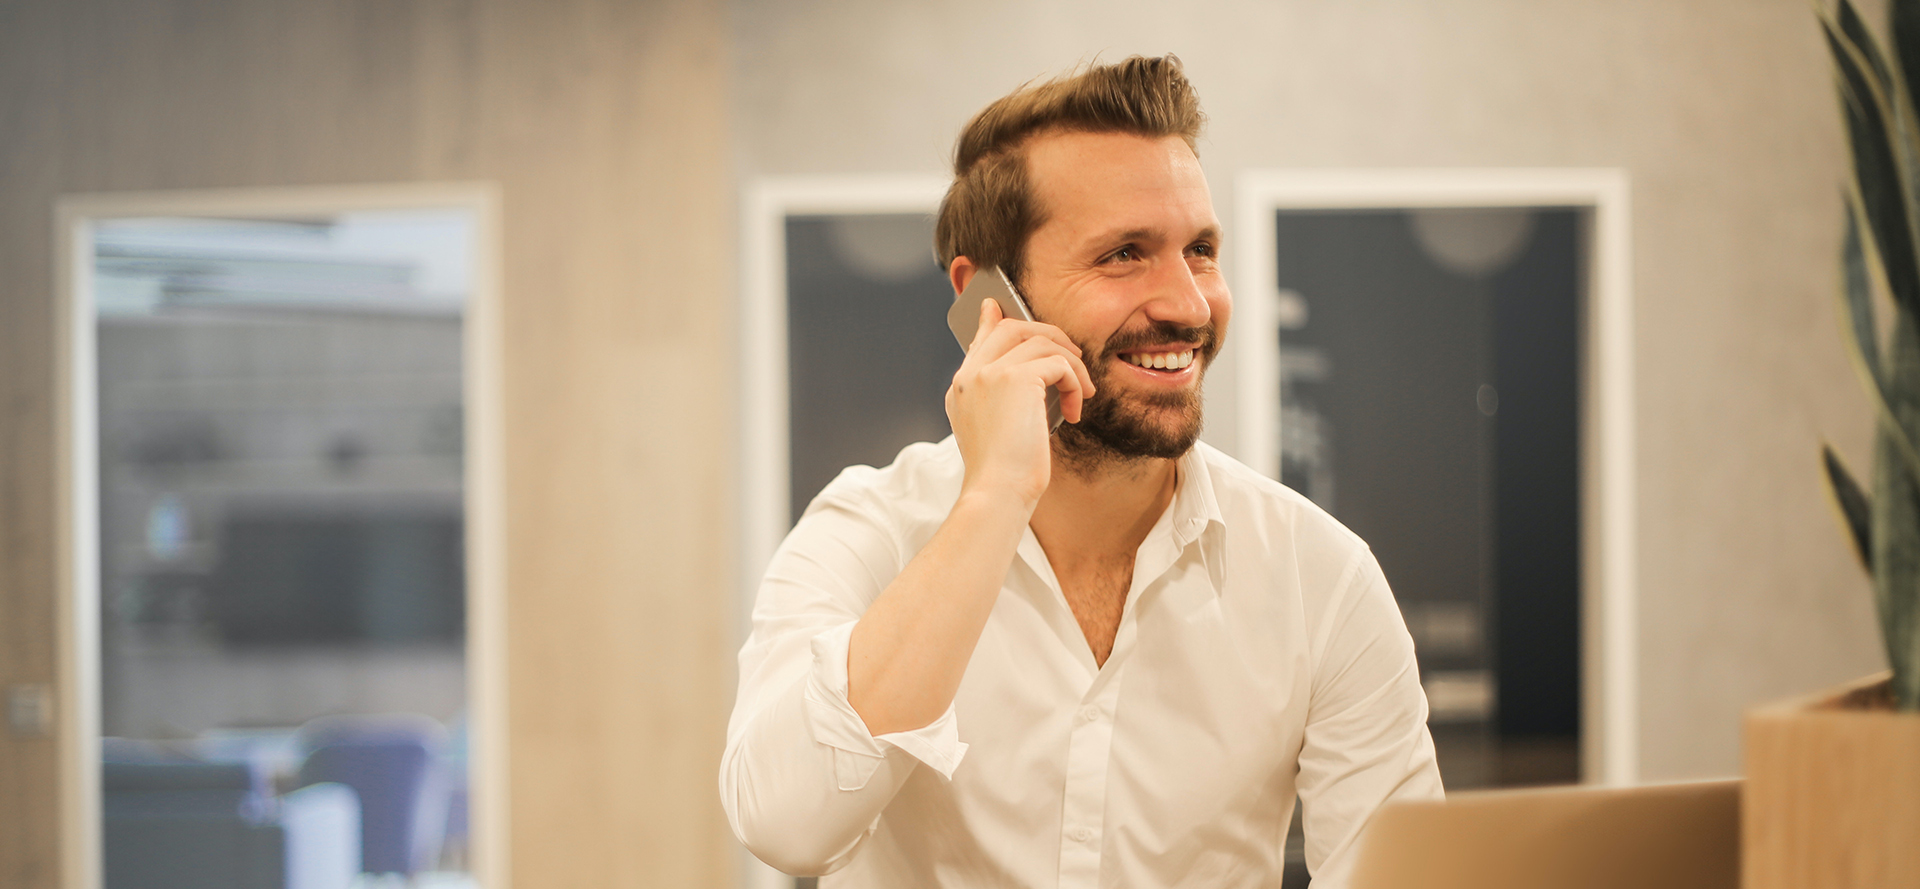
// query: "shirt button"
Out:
[1090,713]
[1080,834]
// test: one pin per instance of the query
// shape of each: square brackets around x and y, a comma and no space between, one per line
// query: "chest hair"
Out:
[1097,592]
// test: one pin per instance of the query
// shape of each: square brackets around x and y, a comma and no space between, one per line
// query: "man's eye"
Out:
[1201,250]
[1124,254]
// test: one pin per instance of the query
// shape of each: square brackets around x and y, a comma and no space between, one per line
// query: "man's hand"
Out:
[997,403]
[909,651]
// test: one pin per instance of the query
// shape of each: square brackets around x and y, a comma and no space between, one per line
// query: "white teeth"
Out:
[1161,360]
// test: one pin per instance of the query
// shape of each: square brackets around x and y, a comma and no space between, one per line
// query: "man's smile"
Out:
[1168,361]
[1159,355]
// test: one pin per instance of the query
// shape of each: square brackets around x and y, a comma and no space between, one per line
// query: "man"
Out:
[1109,656]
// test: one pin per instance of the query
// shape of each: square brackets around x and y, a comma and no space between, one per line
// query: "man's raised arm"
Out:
[844,687]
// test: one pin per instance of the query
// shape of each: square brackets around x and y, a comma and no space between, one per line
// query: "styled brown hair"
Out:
[990,209]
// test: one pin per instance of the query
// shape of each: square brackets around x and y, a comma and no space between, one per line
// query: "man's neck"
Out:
[1101,512]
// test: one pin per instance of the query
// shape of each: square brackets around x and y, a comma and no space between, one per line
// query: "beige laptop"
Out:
[1653,837]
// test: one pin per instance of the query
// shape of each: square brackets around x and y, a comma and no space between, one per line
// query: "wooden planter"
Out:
[1833,792]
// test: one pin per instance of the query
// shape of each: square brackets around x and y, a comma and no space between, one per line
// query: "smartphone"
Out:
[964,319]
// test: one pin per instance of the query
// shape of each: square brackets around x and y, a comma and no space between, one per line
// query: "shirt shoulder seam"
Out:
[1343,589]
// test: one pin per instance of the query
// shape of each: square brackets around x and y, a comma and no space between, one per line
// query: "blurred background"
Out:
[280,604]
[282,591]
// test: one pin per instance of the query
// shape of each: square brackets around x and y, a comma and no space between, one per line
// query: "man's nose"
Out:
[1177,297]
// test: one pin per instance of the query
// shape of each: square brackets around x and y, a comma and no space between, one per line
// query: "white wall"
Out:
[1721,112]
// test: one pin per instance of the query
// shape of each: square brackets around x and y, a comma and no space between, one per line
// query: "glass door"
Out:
[280,408]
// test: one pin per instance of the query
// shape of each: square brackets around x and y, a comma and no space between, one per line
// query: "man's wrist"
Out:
[990,503]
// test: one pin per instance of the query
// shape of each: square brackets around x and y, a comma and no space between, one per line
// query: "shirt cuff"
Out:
[857,752]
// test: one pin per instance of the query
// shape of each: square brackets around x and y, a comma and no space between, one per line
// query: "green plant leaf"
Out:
[1883,128]
[1874,149]
[1895,508]
[1861,337]
[1855,29]
[1895,86]
[1879,184]
[1856,511]
[1904,23]
[1857,288]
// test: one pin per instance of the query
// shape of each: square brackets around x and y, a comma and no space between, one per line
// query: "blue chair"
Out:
[393,764]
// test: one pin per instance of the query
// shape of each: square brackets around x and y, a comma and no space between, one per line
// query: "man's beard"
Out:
[1129,427]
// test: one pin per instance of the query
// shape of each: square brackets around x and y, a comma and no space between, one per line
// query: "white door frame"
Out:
[78,584]
[1609,743]
[765,464]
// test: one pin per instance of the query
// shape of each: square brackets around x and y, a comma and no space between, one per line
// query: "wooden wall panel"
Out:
[605,122]
[29,151]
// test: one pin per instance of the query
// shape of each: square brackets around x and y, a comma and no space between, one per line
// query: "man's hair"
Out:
[990,210]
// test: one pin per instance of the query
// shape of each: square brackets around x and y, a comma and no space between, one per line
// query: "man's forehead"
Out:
[1121,185]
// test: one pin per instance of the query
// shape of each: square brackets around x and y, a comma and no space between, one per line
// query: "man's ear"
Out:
[959,272]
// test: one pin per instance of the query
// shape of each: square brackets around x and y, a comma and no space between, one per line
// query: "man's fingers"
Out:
[1060,371]
[1072,378]
[1025,330]
[1078,379]
[1003,346]
[1036,346]
[1056,370]
[989,319]
[998,335]
[1074,383]
[1086,381]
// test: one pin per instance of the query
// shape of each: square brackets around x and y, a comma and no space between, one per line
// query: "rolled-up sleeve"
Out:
[1366,741]
[802,780]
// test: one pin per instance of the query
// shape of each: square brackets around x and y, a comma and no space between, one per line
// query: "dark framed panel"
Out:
[869,356]
[1430,399]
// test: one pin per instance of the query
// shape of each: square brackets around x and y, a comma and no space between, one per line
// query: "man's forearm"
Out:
[911,648]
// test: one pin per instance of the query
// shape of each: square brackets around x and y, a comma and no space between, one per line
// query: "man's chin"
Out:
[1110,433]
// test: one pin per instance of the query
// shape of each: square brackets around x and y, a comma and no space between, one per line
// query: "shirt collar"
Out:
[1196,513]
[1193,515]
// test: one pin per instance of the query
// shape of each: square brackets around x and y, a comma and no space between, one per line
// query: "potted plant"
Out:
[1833,779]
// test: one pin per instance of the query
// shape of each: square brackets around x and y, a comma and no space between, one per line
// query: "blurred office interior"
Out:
[282,602]
[282,596]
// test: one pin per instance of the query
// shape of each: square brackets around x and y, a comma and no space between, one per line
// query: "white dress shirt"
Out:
[1260,653]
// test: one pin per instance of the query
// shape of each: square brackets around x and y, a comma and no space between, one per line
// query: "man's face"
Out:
[1127,264]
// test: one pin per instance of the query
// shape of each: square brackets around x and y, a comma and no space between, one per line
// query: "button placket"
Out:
[1083,813]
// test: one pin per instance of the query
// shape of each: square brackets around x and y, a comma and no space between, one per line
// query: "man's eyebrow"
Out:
[1210,233]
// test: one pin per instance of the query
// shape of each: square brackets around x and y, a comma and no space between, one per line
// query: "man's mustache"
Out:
[1164,333]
